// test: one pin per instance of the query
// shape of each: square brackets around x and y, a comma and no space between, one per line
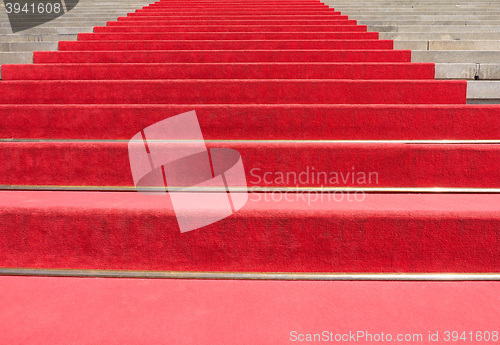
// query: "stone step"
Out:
[72,23]
[406,6]
[37,38]
[95,9]
[413,12]
[398,17]
[470,71]
[440,36]
[415,3]
[447,45]
[390,22]
[455,56]
[80,16]
[424,9]
[419,6]
[50,30]
[85,15]
[108,5]
[27,46]
[91,11]
[483,92]
[16,58]
[434,28]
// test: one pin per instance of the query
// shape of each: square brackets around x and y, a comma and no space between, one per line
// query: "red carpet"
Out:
[246,91]
[341,164]
[157,19]
[219,45]
[282,83]
[254,122]
[223,35]
[219,71]
[155,56]
[272,233]
[59,311]
[350,27]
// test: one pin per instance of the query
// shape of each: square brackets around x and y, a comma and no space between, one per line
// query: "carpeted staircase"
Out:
[295,87]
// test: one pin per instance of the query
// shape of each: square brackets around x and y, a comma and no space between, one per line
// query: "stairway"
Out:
[296,88]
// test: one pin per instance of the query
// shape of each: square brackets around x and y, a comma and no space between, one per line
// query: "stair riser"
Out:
[217,71]
[228,36]
[201,16]
[233,12]
[154,21]
[228,45]
[221,56]
[217,11]
[268,164]
[140,232]
[234,92]
[233,28]
[247,122]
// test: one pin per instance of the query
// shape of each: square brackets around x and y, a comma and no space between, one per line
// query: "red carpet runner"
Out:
[57,311]
[295,87]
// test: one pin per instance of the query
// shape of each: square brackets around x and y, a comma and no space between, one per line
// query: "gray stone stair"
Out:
[462,37]
[19,47]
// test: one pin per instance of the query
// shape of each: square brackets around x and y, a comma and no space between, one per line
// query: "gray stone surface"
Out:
[49,30]
[440,36]
[27,46]
[447,45]
[72,23]
[38,37]
[483,91]
[14,58]
[428,18]
[418,12]
[413,45]
[388,21]
[457,70]
[18,47]
[462,37]
[489,71]
[434,28]
[455,56]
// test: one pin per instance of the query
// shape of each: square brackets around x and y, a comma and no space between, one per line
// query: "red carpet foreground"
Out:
[58,311]
[356,159]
